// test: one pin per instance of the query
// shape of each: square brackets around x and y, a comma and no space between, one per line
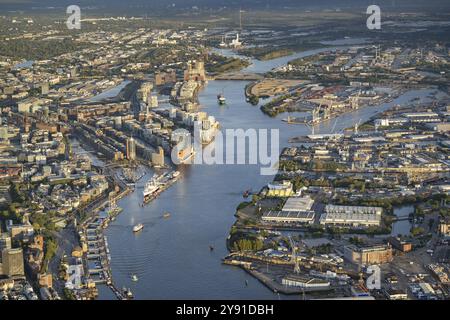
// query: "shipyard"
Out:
[338,196]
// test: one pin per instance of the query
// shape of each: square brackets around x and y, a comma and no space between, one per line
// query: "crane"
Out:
[294,256]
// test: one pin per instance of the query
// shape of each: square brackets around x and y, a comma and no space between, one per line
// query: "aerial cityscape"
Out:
[224,150]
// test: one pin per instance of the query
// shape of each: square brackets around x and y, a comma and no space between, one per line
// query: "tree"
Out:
[417,231]
[430,223]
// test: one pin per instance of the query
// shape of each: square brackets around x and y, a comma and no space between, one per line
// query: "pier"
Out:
[97,259]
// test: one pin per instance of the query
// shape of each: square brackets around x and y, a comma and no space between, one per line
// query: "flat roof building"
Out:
[289,216]
[305,282]
[298,204]
[400,244]
[351,216]
[368,255]
[280,189]
[5,242]
[395,294]
[12,262]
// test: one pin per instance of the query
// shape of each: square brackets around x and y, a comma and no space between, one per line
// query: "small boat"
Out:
[246,194]
[134,278]
[211,248]
[127,293]
[175,174]
[221,99]
[166,215]
[138,227]
[246,283]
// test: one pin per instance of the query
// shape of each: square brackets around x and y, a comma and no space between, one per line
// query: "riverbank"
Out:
[202,206]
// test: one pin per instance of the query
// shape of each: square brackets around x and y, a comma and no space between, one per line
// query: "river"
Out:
[171,256]
[110,93]
[403,226]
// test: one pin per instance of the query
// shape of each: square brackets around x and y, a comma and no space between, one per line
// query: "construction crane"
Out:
[315,114]
[333,128]
[311,127]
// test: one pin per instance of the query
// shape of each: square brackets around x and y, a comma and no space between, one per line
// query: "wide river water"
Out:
[171,256]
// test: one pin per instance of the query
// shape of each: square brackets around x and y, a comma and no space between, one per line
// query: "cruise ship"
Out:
[152,188]
[158,183]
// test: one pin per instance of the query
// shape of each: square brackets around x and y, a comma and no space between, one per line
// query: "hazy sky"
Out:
[331,4]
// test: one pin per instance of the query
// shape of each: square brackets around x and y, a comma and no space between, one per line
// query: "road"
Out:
[67,240]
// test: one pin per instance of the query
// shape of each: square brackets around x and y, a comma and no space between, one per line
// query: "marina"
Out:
[98,255]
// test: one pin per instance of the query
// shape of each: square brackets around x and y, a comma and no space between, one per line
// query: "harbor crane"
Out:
[315,118]
[294,256]
[355,131]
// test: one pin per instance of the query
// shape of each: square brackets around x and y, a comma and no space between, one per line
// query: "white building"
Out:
[298,204]
[289,216]
[351,216]
[303,282]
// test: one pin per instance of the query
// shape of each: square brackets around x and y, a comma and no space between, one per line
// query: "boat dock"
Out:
[97,258]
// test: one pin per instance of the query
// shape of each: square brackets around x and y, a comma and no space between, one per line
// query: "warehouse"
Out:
[368,255]
[289,216]
[422,117]
[304,282]
[355,216]
[298,204]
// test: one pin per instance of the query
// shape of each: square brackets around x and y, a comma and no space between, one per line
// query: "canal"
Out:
[171,257]
[404,225]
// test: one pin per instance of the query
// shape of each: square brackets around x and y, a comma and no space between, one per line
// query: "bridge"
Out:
[402,218]
[239,76]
